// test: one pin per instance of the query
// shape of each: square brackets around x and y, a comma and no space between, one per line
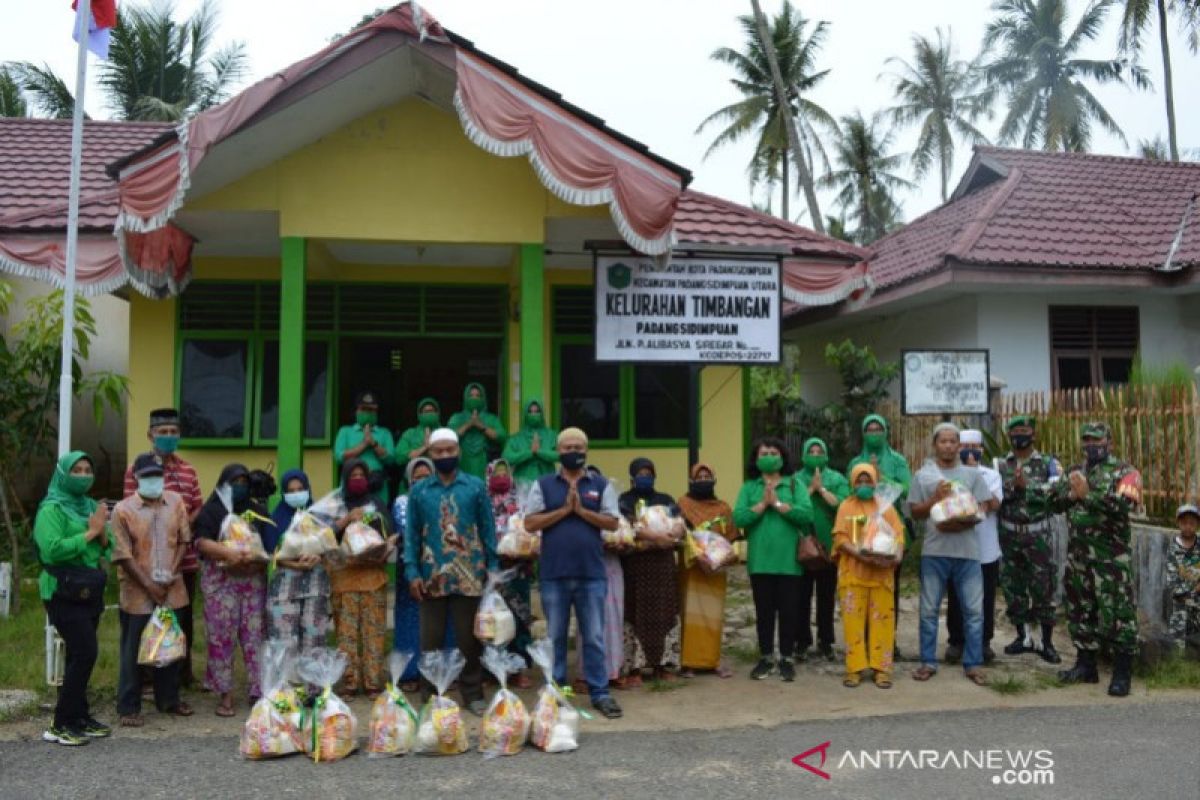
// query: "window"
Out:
[213,376]
[316,391]
[1092,346]
[614,404]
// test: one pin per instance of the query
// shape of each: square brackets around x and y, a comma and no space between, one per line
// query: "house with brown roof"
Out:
[1064,266]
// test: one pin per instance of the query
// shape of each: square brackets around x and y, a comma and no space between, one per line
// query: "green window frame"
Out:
[568,297]
[261,439]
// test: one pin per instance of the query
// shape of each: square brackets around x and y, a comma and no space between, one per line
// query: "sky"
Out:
[644,65]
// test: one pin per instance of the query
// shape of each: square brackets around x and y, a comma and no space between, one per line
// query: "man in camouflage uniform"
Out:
[1097,497]
[1183,577]
[1027,572]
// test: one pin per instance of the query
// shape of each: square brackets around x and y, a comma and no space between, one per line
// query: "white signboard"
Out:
[945,382]
[694,310]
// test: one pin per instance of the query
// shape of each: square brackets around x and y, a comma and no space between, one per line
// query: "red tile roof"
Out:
[704,219]
[1030,208]
[35,170]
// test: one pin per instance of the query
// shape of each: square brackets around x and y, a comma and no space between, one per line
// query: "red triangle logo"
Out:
[799,760]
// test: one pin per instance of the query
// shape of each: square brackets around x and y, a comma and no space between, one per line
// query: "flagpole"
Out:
[66,381]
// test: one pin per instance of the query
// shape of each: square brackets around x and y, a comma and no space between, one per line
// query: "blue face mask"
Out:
[643,483]
[151,487]
[166,444]
[296,500]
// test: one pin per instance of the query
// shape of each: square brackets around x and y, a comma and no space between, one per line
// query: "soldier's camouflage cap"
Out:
[1094,430]
[1022,419]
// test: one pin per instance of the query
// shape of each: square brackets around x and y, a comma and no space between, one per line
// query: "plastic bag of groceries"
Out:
[393,719]
[505,724]
[711,551]
[555,724]
[440,730]
[238,533]
[959,506]
[878,537]
[311,530]
[360,539]
[162,641]
[656,527]
[623,538]
[273,727]
[328,727]
[494,621]
[516,542]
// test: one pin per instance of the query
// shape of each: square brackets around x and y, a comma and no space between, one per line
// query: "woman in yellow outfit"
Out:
[865,582]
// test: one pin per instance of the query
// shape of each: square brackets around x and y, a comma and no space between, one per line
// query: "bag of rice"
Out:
[555,724]
[494,621]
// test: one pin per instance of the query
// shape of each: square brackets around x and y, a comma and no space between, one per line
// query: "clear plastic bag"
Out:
[162,641]
[440,730]
[311,530]
[622,538]
[712,552]
[393,729]
[878,537]
[361,540]
[494,621]
[555,723]
[273,727]
[505,724]
[516,542]
[960,506]
[656,527]
[238,533]
[329,727]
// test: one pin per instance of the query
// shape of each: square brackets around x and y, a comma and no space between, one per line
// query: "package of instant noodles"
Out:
[441,730]
[494,621]
[505,724]
[393,720]
[273,727]
[328,726]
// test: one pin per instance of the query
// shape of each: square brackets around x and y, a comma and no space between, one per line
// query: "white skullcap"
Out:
[970,436]
[943,427]
[443,435]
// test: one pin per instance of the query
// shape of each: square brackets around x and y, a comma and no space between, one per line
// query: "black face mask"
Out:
[1021,441]
[702,490]
[447,465]
[1096,453]
[572,460]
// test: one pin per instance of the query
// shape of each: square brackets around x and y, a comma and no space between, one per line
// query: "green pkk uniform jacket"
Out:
[474,443]
[773,536]
[1098,584]
[824,514]
[414,438]
[351,436]
[527,466]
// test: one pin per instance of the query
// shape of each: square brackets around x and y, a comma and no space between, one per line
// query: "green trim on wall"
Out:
[533,303]
[293,266]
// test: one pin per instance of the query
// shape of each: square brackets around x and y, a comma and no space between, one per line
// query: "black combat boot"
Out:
[1122,675]
[1048,653]
[1018,644]
[1084,670]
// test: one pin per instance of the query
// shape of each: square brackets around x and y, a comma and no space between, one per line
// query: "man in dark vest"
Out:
[570,508]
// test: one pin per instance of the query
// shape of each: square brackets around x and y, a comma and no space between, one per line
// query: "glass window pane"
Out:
[316,374]
[660,402]
[589,393]
[1116,369]
[212,389]
[1074,372]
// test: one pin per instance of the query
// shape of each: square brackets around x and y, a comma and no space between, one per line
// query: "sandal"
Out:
[724,672]
[883,680]
[852,680]
[923,673]
[687,673]
[181,709]
[976,676]
[224,711]
[132,721]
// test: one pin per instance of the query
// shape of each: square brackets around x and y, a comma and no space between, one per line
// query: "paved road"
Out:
[1135,751]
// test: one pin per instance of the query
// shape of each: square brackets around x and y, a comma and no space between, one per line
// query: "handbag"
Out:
[810,551]
[82,585]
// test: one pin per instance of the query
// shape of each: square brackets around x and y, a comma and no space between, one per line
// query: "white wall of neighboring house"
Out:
[109,351]
[1014,327]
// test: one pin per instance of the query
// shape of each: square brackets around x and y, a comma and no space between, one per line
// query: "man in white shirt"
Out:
[970,452]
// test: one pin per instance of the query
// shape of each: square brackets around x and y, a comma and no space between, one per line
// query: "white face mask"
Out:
[296,500]
[151,488]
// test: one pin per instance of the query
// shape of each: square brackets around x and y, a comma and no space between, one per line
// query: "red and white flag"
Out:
[104,18]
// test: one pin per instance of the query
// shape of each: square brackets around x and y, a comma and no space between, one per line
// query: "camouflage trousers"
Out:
[1027,572]
[1098,590]
[1184,621]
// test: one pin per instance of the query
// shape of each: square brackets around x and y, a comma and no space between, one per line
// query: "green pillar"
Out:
[533,304]
[290,453]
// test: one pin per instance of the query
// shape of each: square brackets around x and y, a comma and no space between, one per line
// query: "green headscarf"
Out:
[526,465]
[834,482]
[805,474]
[893,468]
[73,504]
[467,396]
[428,401]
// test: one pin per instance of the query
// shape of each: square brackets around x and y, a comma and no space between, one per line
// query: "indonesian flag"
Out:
[104,18]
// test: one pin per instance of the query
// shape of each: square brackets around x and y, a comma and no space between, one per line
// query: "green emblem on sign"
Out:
[619,276]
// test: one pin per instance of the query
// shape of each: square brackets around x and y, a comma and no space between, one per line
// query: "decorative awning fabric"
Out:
[809,283]
[98,267]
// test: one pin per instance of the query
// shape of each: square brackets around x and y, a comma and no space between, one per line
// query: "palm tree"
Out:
[1156,149]
[48,92]
[941,94]
[12,103]
[1037,67]
[866,175]
[758,111]
[158,69]
[1134,22]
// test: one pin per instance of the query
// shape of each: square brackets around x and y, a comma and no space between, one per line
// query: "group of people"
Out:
[640,610]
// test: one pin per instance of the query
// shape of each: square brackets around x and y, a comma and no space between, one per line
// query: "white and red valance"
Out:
[814,283]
